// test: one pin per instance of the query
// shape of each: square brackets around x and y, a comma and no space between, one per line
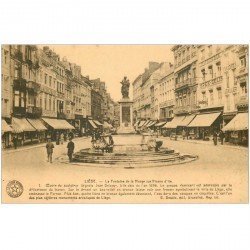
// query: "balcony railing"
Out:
[19,83]
[189,81]
[33,86]
[34,111]
[18,55]
[182,109]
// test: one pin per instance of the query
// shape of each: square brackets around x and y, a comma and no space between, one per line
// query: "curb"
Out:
[202,143]
[9,151]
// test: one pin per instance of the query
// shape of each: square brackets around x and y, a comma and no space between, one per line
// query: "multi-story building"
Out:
[44,96]
[185,71]
[7,95]
[143,92]
[166,87]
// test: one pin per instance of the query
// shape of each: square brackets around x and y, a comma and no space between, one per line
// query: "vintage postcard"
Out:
[124,123]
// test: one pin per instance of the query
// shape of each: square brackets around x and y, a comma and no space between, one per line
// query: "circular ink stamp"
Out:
[14,189]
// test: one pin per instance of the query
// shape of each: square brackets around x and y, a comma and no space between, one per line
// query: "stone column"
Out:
[120,114]
[131,115]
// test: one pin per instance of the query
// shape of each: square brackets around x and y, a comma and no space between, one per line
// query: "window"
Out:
[45,78]
[194,73]
[22,100]
[50,81]
[204,98]
[203,72]
[210,49]
[5,56]
[17,71]
[16,99]
[218,68]
[219,96]
[45,101]
[211,97]
[202,53]
[228,102]
[50,102]
[243,88]
[210,69]
[227,79]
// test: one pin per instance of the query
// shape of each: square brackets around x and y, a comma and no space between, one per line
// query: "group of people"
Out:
[219,134]
[70,148]
[102,142]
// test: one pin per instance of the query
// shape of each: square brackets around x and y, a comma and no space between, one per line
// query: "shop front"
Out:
[57,128]
[6,134]
[171,128]
[237,129]
[23,132]
[40,128]
[92,127]
[204,125]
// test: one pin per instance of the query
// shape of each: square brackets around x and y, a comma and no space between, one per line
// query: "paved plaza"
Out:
[214,165]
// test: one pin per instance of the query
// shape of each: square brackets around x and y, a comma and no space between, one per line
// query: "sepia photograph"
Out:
[124,123]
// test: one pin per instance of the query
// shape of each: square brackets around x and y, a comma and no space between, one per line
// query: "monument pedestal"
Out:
[126,117]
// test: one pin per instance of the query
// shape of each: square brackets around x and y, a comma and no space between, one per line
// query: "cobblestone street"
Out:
[213,165]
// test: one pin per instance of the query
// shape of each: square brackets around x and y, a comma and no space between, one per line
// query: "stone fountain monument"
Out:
[126,110]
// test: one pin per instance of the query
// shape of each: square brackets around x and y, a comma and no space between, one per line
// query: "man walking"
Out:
[221,135]
[49,147]
[71,147]
[215,138]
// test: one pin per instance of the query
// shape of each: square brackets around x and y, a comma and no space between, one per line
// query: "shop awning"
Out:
[58,124]
[146,123]
[239,122]
[160,124]
[37,124]
[97,123]
[6,127]
[92,124]
[20,125]
[186,120]
[204,120]
[152,123]
[175,122]
[142,123]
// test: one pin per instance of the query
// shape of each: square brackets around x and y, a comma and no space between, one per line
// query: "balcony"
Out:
[61,115]
[185,83]
[182,110]
[34,111]
[33,86]
[18,55]
[19,111]
[19,84]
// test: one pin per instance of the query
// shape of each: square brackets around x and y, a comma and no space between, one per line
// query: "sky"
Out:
[111,63]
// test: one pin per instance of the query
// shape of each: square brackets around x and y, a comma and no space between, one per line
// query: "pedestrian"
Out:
[71,147]
[57,138]
[49,147]
[215,138]
[183,134]
[61,138]
[15,141]
[221,135]
[187,134]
